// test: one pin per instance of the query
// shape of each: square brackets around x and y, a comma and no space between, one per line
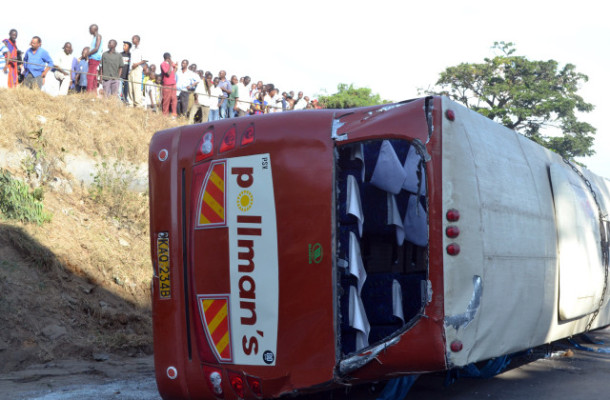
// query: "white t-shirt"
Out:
[244,94]
[64,61]
[203,97]
[215,92]
[300,105]
[274,103]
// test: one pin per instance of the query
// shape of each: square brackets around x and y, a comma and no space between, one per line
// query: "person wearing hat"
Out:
[65,69]
[124,85]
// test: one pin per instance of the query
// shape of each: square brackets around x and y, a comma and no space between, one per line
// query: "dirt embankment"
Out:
[79,285]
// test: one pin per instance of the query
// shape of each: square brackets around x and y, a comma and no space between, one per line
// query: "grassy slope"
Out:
[79,285]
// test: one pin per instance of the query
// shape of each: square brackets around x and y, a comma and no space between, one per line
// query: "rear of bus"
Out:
[241,245]
[287,257]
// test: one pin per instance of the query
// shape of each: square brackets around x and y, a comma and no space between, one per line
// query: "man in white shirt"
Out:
[243,101]
[273,99]
[185,81]
[135,75]
[300,103]
[64,65]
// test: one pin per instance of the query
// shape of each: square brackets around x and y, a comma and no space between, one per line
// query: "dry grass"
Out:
[78,123]
[84,271]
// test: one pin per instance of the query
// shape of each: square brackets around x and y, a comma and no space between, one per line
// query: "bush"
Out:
[18,202]
[111,188]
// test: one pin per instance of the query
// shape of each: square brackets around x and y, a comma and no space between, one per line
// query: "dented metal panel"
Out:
[499,182]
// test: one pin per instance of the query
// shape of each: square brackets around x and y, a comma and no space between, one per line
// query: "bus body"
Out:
[301,251]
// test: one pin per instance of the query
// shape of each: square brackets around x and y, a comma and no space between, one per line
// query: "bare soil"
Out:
[77,287]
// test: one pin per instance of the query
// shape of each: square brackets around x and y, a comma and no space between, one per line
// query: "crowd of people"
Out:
[176,90]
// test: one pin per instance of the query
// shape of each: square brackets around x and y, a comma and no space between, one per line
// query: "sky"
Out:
[396,48]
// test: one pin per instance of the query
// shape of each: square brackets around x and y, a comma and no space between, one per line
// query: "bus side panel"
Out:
[501,290]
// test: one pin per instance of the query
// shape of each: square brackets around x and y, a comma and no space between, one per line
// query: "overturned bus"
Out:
[302,251]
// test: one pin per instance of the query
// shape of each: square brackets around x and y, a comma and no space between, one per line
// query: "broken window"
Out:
[382,239]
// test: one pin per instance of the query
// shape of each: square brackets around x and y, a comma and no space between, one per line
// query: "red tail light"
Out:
[205,149]
[452,231]
[453,249]
[237,383]
[213,377]
[248,136]
[255,385]
[453,215]
[228,140]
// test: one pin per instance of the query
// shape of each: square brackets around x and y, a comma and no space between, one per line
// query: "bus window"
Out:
[382,239]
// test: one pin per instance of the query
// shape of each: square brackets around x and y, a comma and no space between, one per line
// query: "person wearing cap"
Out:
[123,85]
[65,68]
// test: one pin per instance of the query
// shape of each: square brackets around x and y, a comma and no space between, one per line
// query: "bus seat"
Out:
[388,173]
[415,172]
[416,222]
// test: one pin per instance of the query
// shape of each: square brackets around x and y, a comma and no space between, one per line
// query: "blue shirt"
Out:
[83,68]
[97,56]
[38,62]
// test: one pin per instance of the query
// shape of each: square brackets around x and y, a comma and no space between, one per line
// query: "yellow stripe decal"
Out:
[221,316]
[222,343]
[217,208]
[217,181]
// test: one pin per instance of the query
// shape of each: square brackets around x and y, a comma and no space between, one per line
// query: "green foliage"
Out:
[526,96]
[18,202]
[350,97]
[111,188]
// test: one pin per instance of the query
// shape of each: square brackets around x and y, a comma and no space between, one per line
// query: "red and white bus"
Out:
[302,251]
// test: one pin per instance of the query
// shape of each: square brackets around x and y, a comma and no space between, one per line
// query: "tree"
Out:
[350,97]
[526,96]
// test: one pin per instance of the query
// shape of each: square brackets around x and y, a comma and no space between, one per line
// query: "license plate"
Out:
[165,289]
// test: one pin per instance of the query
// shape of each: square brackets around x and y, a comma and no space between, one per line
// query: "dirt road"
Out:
[567,375]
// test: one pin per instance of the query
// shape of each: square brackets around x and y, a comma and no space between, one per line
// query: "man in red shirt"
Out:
[168,94]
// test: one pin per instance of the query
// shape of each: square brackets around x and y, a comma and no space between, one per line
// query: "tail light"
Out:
[453,249]
[255,386]
[205,149]
[237,383]
[213,377]
[452,231]
[248,136]
[453,215]
[228,140]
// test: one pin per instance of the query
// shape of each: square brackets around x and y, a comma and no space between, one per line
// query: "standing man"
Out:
[233,97]
[124,85]
[185,81]
[243,103]
[226,88]
[300,103]
[110,70]
[168,74]
[274,101]
[135,75]
[64,66]
[95,56]
[10,68]
[37,64]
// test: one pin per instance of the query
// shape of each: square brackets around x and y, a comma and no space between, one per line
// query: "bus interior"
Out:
[381,240]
